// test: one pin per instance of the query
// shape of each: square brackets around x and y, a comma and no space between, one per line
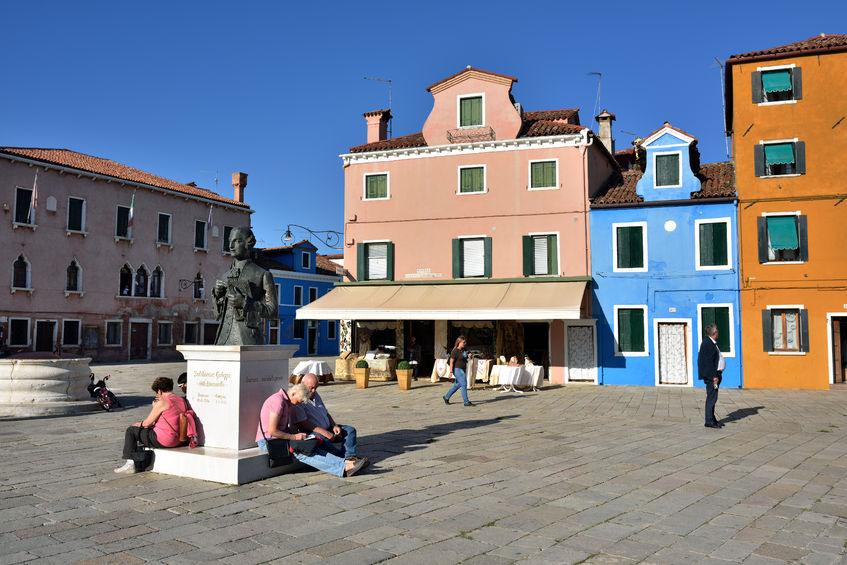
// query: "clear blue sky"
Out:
[276,89]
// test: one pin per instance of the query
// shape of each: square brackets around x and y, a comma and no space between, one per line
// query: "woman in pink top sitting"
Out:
[161,426]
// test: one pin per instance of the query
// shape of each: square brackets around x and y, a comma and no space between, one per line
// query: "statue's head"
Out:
[241,242]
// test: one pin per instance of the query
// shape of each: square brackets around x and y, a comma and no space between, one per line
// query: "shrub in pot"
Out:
[362,373]
[404,375]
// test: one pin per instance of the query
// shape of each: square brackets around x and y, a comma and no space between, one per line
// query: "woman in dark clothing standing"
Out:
[458,366]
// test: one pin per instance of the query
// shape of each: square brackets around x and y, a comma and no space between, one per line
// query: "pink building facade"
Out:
[478,225]
[85,279]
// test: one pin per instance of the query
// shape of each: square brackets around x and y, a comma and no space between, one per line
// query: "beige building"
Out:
[107,260]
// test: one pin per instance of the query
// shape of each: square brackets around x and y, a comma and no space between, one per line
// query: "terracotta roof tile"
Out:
[824,42]
[468,69]
[406,141]
[717,180]
[570,115]
[89,163]
[324,264]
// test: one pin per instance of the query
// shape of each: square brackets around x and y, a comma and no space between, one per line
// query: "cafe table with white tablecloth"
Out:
[521,375]
[318,368]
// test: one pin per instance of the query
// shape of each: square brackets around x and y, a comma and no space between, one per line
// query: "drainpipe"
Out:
[740,282]
[584,149]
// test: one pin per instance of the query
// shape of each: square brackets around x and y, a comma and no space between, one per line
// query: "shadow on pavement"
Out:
[741,413]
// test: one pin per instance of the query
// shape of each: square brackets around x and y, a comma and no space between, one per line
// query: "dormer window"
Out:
[470,111]
[305,261]
[668,171]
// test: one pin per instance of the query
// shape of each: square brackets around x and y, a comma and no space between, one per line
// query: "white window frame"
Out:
[128,235]
[205,235]
[315,289]
[278,293]
[644,246]
[274,324]
[529,174]
[689,354]
[331,330]
[618,352]
[78,331]
[777,68]
[459,179]
[462,249]
[29,327]
[365,185]
[160,323]
[367,244]
[797,307]
[459,110]
[294,296]
[170,229]
[197,333]
[793,141]
[82,218]
[106,333]
[305,260]
[28,287]
[558,251]
[795,213]
[658,154]
[225,237]
[700,327]
[32,215]
[697,265]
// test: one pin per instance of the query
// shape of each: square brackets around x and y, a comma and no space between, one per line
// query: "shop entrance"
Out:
[424,332]
[139,339]
[536,339]
[839,349]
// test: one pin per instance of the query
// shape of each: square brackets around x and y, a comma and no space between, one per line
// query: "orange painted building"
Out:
[787,116]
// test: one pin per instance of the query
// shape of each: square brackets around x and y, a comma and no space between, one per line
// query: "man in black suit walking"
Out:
[710,365]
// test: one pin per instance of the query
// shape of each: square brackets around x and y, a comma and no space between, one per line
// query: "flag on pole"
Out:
[209,223]
[34,200]
[131,211]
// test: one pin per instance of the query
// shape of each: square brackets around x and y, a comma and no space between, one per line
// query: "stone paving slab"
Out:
[569,474]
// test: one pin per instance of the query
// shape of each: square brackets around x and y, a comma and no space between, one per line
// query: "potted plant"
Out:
[362,373]
[404,375]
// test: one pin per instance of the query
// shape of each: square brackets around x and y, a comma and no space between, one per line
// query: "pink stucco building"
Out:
[478,225]
[108,260]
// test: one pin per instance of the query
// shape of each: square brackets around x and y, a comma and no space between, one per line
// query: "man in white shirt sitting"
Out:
[312,416]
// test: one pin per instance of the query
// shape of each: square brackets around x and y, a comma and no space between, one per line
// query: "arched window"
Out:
[20,272]
[199,287]
[125,283]
[140,282]
[156,283]
[72,279]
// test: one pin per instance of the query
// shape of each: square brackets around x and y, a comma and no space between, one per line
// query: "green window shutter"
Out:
[622,236]
[631,330]
[470,111]
[361,261]
[486,242]
[804,330]
[630,241]
[803,236]
[457,258]
[389,268]
[756,87]
[552,258]
[527,255]
[722,321]
[376,186]
[762,235]
[543,174]
[767,330]
[667,170]
[637,319]
[797,83]
[472,179]
[713,249]
[759,160]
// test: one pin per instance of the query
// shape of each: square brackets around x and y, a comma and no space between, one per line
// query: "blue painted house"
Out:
[665,265]
[301,276]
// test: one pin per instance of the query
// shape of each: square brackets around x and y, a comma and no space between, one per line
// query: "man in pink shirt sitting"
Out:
[275,419]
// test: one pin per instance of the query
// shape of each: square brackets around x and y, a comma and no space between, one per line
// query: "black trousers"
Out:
[135,435]
[712,399]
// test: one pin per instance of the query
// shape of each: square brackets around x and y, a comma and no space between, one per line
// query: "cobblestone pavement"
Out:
[575,474]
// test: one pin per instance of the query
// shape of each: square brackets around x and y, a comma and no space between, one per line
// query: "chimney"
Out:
[377,124]
[239,183]
[605,120]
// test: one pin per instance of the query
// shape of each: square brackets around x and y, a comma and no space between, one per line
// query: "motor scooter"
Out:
[105,398]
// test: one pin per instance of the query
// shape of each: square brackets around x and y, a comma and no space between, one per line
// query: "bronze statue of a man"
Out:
[246,297]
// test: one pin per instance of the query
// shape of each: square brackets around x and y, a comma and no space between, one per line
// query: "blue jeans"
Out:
[461,383]
[348,433]
[321,460]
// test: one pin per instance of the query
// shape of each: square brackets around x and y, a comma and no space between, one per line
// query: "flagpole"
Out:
[33,201]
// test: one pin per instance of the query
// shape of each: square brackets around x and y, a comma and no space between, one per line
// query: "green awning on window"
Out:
[782,232]
[776,81]
[779,153]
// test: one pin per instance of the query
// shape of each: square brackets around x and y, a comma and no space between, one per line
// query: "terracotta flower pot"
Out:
[362,376]
[404,378]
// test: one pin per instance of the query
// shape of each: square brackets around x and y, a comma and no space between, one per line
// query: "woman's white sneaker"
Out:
[128,467]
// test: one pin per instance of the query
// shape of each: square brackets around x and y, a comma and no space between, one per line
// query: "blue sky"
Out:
[276,89]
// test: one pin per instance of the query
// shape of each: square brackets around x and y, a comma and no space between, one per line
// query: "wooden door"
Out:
[313,337]
[838,359]
[138,334]
[210,332]
[44,335]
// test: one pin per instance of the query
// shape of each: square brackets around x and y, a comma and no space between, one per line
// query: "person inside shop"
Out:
[458,366]
[414,356]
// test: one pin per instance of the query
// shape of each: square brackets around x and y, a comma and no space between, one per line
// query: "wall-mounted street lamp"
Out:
[329,238]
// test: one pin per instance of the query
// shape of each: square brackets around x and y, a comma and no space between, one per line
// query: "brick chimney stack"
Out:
[377,124]
[605,120]
[239,183]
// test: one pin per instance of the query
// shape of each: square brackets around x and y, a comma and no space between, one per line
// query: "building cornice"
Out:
[523,143]
[110,179]
[468,281]
[295,275]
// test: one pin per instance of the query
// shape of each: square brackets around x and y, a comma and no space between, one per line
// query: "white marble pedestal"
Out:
[227,385]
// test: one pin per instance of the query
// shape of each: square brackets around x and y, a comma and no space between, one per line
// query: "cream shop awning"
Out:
[549,300]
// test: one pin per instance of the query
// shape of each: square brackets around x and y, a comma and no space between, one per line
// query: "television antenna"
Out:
[216,178]
[597,102]
[723,106]
[388,80]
